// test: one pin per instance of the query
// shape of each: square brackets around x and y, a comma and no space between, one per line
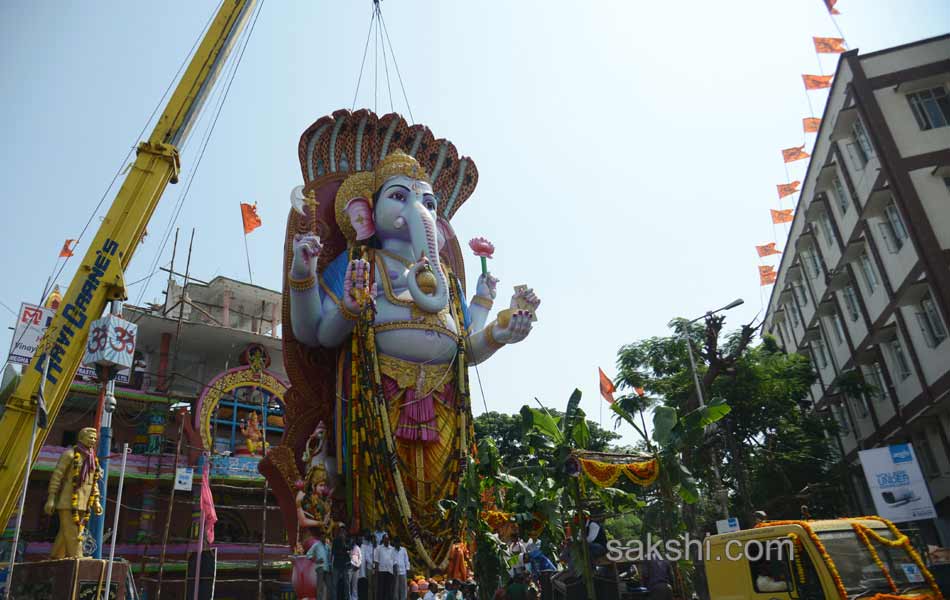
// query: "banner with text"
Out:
[897,485]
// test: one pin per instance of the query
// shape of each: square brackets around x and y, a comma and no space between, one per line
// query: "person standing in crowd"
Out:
[356,565]
[401,569]
[365,576]
[321,559]
[383,564]
[379,533]
[433,593]
[658,579]
[340,556]
[596,539]
[517,589]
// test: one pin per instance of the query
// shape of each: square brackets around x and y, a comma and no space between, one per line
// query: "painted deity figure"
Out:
[375,290]
[253,438]
[73,494]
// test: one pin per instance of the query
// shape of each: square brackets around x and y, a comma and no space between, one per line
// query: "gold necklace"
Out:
[408,263]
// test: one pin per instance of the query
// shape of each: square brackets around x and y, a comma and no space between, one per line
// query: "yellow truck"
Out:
[846,559]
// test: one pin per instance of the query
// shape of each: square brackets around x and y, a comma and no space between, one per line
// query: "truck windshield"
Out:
[856,566]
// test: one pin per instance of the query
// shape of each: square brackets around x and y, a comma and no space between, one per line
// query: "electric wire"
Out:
[389,86]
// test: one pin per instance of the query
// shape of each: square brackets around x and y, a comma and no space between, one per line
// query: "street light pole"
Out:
[724,505]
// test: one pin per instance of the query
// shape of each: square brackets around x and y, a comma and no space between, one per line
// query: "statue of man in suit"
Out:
[73,493]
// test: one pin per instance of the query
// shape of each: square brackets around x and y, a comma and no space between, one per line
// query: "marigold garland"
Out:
[605,474]
[835,576]
[864,533]
[797,550]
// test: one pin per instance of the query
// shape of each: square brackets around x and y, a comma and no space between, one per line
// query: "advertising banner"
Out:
[31,323]
[897,485]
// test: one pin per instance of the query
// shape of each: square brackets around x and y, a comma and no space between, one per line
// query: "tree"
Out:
[515,445]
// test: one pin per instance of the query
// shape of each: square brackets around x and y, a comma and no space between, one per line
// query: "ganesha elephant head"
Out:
[396,204]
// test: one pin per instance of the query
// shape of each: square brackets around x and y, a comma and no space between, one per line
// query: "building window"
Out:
[900,359]
[841,196]
[931,107]
[876,377]
[925,453]
[793,312]
[946,183]
[893,230]
[931,324]
[851,302]
[826,229]
[799,290]
[841,415]
[836,327]
[867,269]
[810,258]
[861,150]
[821,353]
[862,404]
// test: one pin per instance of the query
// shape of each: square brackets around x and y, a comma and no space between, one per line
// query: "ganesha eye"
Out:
[430,203]
[398,196]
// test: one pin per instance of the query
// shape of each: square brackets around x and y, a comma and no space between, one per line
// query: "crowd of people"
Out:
[371,566]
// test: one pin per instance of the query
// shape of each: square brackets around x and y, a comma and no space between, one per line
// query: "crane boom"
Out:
[99,278]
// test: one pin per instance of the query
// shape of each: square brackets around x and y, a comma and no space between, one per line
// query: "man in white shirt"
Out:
[383,562]
[401,570]
[356,564]
[363,585]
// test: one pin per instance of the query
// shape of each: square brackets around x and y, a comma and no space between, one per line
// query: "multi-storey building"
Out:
[864,282]
[208,360]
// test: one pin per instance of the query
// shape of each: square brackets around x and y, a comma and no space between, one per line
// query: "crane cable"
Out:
[55,273]
[223,95]
[377,26]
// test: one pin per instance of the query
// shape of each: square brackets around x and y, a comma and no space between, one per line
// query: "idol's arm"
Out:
[305,306]
[485,342]
[482,301]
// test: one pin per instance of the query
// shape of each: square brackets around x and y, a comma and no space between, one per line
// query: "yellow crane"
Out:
[99,278]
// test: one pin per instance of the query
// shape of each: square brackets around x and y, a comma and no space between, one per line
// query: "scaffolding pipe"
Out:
[115,519]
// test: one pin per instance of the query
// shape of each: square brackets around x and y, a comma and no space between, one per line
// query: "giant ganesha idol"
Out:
[382,333]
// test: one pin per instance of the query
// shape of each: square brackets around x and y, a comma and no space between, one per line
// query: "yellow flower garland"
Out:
[605,474]
[900,541]
[797,548]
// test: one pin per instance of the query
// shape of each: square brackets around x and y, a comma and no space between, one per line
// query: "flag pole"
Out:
[247,255]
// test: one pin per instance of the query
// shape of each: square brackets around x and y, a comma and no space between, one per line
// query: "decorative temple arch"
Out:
[252,373]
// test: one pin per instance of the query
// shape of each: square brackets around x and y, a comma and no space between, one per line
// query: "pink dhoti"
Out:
[415,388]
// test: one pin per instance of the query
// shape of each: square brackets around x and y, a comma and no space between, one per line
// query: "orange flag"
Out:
[767,275]
[793,154]
[250,218]
[781,216]
[767,250]
[817,82]
[830,5]
[787,189]
[825,45]
[607,388]
[67,250]
[810,124]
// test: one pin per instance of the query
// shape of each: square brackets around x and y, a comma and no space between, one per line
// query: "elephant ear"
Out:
[450,252]
[361,218]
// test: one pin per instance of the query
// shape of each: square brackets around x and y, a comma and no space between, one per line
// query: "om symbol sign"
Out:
[98,338]
[124,341]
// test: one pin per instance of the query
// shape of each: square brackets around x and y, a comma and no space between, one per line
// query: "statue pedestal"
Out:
[68,579]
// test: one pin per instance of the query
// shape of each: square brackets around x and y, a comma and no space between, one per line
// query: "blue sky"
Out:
[628,151]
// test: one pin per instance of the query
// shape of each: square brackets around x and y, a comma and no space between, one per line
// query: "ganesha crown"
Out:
[398,163]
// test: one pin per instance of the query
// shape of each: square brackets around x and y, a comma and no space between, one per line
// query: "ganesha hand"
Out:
[487,286]
[525,299]
[517,328]
[306,247]
[356,287]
